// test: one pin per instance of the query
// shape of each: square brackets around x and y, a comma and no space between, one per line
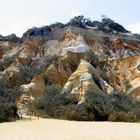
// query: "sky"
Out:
[17,16]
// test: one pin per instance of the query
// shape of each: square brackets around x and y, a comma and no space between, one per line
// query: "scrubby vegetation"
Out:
[8,98]
[98,107]
[114,107]
[106,25]
[11,37]
[7,111]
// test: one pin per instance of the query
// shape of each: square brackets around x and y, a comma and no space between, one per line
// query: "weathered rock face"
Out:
[15,58]
[30,92]
[86,78]
[56,73]
[59,71]
[78,58]
[13,72]
[71,39]
[36,87]
[30,50]
[126,75]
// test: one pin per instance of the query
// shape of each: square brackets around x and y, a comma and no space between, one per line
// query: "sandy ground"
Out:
[49,129]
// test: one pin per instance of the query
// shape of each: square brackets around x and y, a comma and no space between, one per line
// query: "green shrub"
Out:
[113,107]
[50,102]
[99,107]
[7,111]
[8,98]
[120,102]
[76,112]
[123,117]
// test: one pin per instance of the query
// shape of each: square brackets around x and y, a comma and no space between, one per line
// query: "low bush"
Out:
[7,111]
[50,102]
[123,117]
[97,107]
[77,113]
[8,98]
[113,107]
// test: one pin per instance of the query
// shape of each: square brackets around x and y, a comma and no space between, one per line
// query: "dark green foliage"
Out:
[120,102]
[78,21]
[133,115]
[54,103]
[113,26]
[123,117]
[57,25]
[99,107]
[77,113]
[114,107]
[8,98]
[37,32]
[11,37]
[105,25]
[51,100]
[7,111]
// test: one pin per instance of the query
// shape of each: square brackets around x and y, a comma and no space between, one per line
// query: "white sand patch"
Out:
[48,129]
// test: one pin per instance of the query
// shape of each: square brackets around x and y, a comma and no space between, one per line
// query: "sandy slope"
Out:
[48,129]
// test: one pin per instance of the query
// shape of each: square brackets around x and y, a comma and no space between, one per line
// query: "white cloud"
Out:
[134,28]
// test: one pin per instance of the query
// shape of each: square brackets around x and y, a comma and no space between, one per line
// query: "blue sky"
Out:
[19,15]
